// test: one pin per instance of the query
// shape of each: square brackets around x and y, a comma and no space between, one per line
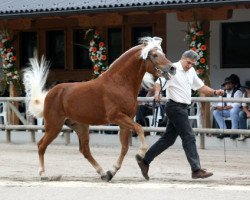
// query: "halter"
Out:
[158,71]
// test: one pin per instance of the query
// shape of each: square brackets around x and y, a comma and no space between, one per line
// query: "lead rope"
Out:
[223,132]
[160,105]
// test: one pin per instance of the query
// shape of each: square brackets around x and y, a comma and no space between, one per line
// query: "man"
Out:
[245,112]
[144,109]
[228,109]
[178,92]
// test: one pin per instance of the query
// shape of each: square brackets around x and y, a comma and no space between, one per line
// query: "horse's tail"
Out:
[34,79]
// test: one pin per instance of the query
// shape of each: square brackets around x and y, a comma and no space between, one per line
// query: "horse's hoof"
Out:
[107,177]
[52,178]
[56,178]
[44,178]
[41,173]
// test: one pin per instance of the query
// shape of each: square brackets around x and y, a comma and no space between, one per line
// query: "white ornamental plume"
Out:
[151,43]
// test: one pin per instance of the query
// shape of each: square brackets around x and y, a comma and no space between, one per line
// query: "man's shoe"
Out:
[201,173]
[220,136]
[234,136]
[242,138]
[144,168]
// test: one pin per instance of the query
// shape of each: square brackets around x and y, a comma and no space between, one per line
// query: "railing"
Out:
[202,131]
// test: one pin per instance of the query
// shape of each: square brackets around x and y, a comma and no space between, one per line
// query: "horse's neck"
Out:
[128,70]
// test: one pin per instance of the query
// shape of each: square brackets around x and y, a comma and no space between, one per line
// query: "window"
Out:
[235,45]
[80,50]
[138,32]
[114,44]
[28,47]
[55,49]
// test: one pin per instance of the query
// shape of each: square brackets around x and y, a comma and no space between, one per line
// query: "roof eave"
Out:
[78,11]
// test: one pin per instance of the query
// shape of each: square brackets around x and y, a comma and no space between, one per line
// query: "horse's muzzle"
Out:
[168,72]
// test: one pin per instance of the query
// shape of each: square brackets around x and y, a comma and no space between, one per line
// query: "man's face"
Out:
[229,86]
[187,63]
[248,90]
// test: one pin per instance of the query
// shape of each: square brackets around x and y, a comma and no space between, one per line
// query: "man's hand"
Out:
[218,108]
[219,92]
[157,94]
[227,107]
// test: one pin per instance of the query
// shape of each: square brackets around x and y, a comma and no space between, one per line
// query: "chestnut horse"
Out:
[109,99]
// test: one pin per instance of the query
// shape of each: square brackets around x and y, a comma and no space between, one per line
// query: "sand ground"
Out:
[169,173]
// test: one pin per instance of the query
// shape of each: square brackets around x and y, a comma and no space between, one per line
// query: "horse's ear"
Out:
[158,40]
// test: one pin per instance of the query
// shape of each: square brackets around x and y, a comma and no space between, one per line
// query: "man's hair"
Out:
[190,54]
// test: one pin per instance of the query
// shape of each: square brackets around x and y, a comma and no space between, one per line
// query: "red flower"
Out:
[13,58]
[8,50]
[194,38]
[194,48]
[104,57]
[96,68]
[101,44]
[94,49]
[202,60]
[203,47]
[200,33]
[199,71]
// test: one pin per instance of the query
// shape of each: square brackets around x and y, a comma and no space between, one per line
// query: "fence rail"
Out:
[32,128]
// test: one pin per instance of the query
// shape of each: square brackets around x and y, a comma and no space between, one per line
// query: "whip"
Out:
[223,132]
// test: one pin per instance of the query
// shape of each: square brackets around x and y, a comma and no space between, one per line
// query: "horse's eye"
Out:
[155,55]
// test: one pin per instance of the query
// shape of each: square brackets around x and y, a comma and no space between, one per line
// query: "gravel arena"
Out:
[170,176]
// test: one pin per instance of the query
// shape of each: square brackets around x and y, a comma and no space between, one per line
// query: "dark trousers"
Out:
[178,124]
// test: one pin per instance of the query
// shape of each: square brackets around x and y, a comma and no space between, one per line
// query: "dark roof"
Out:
[28,8]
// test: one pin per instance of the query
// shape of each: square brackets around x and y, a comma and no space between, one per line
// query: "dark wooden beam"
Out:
[17,24]
[204,14]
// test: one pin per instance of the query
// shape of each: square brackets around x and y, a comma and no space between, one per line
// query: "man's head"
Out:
[188,59]
[228,84]
[247,87]
[235,79]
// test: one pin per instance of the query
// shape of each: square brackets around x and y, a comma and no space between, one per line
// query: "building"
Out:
[56,29]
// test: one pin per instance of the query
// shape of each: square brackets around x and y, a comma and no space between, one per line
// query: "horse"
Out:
[109,99]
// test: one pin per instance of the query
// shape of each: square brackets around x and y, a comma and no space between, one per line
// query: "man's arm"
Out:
[157,89]
[211,92]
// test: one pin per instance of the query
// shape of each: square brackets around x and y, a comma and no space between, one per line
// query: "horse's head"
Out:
[152,52]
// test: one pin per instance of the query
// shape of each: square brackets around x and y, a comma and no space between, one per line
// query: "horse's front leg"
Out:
[124,139]
[82,131]
[124,121]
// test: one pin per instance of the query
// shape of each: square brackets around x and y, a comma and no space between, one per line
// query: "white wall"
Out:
[176,46]
[218,74]
[175,38]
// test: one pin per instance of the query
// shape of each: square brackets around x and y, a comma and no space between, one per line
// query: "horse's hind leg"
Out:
[124,139]
[51,132]
[82,131]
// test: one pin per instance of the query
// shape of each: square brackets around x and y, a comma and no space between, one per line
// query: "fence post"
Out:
[13,93]
[8,136]
[130,139]
[67,137]
[202,140]
[33,136]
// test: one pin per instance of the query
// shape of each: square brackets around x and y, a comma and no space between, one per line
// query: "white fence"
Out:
[32,128]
